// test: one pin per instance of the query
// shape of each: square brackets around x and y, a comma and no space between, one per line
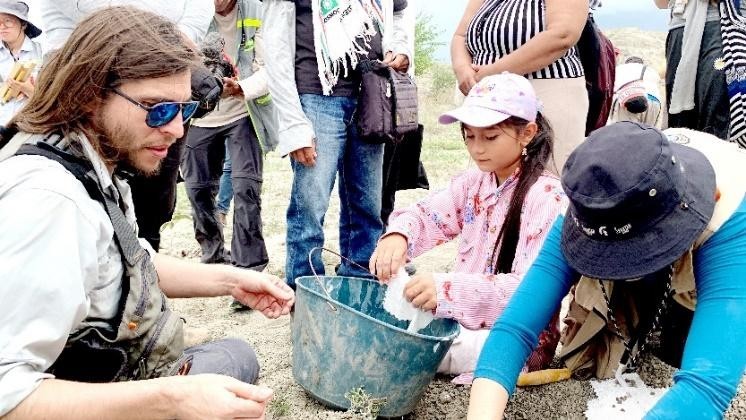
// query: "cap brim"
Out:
[661,244]
[474,116]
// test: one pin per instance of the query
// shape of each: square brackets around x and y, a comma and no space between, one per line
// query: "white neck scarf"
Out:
[342,30]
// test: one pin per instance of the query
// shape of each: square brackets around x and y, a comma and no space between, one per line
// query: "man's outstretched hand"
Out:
[265,293]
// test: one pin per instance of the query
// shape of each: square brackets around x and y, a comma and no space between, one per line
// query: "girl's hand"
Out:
[421,292]
[389,256]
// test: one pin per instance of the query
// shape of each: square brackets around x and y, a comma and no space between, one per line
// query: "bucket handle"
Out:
[316,276]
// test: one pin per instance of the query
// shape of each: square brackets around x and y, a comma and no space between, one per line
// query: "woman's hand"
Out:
[466,77]
[487,400]
[25,88]
[264,292]
[389,256]
[421,292]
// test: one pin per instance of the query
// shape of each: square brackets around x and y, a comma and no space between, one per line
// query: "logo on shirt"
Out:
[678,138]
[328,6]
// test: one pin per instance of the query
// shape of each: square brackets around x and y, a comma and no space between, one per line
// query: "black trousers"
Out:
[402,170]
[202,166]
[711,112]
[154,196]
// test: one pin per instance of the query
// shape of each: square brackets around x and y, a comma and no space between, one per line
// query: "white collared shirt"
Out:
[59,265]
[30,51]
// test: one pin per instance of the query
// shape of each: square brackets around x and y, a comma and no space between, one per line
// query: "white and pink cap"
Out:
[495,99]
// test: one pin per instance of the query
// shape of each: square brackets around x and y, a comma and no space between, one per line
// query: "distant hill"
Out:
[647,19]
[649,45]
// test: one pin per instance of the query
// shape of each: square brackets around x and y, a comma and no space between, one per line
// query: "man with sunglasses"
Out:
[84,308]
[155,197]
[244,118]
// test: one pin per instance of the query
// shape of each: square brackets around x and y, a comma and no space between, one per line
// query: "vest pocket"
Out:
[162,349]
[90,358]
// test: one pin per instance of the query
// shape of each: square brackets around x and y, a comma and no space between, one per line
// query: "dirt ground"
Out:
[443,157]
[272,341]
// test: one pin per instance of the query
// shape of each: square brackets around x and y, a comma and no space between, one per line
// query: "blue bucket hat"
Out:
[637,202]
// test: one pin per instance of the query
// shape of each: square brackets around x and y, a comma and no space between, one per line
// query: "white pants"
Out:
[464,352]
[565,106]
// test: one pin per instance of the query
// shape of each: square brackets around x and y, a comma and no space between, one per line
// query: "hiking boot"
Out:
[221,218]
[237,306]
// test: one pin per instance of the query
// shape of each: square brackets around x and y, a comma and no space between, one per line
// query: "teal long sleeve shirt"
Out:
[715,353]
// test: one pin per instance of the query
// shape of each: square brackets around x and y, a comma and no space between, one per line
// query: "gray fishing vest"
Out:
[144,339]
[262,110]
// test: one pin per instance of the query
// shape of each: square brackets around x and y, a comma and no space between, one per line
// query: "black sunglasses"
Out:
[163,113]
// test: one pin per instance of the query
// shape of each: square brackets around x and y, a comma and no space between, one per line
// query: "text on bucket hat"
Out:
[637,201]
[495,99]
[20,10]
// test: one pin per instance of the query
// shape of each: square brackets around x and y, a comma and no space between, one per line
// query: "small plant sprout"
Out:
[364,404]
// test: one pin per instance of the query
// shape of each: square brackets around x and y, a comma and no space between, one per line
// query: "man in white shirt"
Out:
[83,300]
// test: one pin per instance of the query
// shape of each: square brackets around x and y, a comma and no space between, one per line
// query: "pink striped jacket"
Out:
[473,208]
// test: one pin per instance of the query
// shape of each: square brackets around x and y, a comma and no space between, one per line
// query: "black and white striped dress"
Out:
[502,26]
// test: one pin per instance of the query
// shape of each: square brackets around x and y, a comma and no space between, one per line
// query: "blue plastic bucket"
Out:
[350,341]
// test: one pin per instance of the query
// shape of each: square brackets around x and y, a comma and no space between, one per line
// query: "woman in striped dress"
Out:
[535,38]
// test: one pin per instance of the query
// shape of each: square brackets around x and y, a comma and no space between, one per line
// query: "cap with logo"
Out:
[495,99]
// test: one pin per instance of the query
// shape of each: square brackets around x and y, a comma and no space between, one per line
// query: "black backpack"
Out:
[599,64]
[387,104]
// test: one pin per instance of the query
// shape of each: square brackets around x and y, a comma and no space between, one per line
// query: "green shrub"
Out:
[426,34]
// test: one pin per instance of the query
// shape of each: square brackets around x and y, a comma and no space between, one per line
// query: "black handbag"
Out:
[387,104]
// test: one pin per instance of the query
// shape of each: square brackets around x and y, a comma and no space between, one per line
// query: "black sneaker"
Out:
[237,306]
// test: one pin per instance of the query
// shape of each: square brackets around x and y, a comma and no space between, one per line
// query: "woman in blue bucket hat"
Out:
[656,225]
[17,48]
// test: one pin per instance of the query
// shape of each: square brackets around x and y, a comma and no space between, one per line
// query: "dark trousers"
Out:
[711,112]
[230,356]
[202,167]
[675,326]
[154,197]
[402,170]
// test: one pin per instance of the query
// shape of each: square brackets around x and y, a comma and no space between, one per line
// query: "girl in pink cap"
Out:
[500,212]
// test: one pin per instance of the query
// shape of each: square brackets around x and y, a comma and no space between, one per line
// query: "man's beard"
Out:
[115,145]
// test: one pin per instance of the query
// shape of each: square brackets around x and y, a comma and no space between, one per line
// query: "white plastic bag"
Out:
[397,305]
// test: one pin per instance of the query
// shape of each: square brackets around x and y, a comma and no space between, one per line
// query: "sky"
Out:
[613,14]
[446,13]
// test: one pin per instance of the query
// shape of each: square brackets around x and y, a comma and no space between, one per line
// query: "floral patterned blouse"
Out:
[473,208]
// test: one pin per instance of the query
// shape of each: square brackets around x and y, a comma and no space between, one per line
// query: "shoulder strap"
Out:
[124,236]
[80,168]
[75,165]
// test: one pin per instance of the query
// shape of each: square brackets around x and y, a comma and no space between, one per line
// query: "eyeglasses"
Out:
[163,113]
[9,22]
